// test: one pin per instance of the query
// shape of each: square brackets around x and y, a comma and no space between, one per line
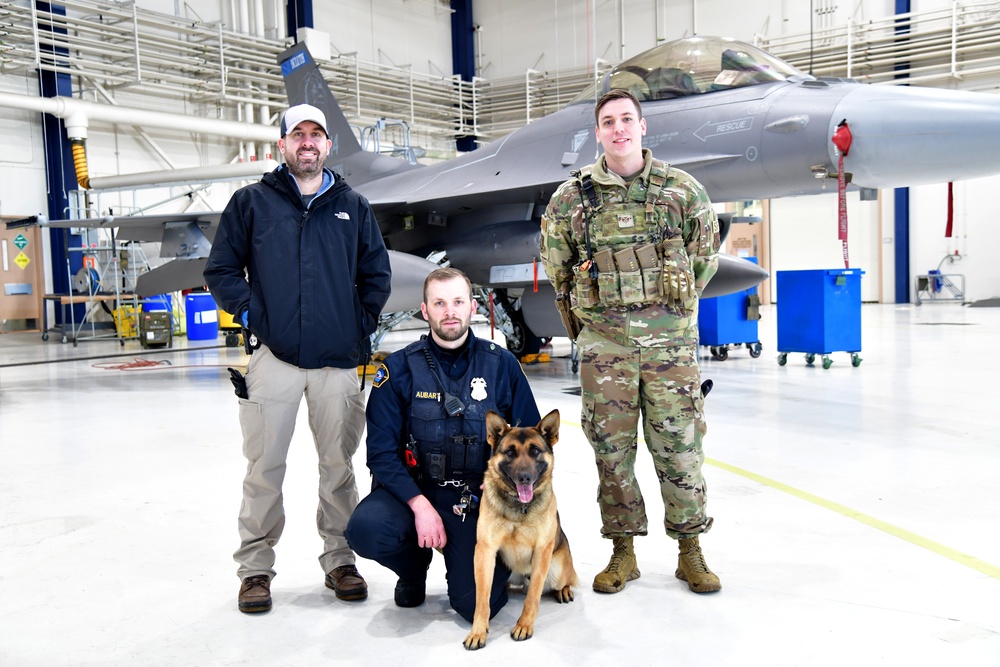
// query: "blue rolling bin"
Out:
[819,312]
[723,321]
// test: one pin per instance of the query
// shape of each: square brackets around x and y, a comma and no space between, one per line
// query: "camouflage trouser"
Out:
[663,383]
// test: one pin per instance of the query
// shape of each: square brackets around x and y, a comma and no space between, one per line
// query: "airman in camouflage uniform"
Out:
[630,257]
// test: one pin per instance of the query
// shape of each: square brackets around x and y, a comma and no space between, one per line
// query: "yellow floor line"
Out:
[895,531]
[922,542]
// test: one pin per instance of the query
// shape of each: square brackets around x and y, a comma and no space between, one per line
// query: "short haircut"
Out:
[447,273]
[616,94]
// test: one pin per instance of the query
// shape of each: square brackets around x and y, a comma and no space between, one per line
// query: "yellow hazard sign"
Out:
[22,260]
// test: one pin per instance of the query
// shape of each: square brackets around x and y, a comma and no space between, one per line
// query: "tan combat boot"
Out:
[691,567]
[620,570]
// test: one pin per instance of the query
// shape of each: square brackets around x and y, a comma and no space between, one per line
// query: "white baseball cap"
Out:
[299,114]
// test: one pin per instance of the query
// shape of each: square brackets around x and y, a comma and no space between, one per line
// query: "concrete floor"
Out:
[856,517]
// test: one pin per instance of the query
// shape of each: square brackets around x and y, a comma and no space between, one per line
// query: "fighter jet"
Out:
[747,125]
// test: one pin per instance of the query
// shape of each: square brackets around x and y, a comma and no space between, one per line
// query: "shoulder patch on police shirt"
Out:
[381,375]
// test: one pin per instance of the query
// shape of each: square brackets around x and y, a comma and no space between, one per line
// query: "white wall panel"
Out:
[22,160]
[389,32]
[551,34]
[976,234]
[804,236]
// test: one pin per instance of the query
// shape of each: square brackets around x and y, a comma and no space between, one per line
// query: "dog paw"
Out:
[522,632]
[475,640]
[564,594]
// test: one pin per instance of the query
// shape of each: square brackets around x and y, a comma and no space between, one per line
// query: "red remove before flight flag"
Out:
[842,139]
[951,210]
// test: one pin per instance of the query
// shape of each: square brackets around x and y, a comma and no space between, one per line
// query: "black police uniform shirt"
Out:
[393,391]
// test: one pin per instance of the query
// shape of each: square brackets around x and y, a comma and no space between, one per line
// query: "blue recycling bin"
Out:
[202,316]
[723,321]
[819,312]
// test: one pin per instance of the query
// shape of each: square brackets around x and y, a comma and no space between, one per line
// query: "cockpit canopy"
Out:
[693,66]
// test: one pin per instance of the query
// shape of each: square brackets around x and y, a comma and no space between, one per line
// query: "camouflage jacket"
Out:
[678,220]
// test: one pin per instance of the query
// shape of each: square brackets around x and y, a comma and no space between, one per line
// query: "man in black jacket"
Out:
[298,258]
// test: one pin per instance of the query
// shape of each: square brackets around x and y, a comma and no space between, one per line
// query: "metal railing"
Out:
[956,46]
[115,46]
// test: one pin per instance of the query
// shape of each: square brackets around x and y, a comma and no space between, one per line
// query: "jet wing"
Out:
[152,228]
[475,196]
[187,238]
[179,274]
[140,228]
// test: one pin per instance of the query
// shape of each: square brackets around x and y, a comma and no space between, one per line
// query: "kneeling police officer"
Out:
[427,448]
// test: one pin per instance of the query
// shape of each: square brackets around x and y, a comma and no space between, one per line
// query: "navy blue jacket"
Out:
[313,280]
[394,388]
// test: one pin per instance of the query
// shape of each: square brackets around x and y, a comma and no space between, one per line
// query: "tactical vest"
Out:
[451,447]
[636,247]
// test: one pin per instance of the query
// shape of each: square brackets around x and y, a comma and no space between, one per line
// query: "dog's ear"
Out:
[549,427]
[496,426]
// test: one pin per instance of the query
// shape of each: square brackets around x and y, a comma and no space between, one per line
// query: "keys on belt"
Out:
[466,503]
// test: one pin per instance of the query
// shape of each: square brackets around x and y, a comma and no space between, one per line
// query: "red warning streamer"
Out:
[842,139]
[951,210]
[492,321]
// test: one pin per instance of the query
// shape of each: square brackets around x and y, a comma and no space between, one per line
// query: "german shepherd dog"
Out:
[518,519]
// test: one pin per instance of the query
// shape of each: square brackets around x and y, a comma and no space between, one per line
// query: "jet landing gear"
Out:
[521,341]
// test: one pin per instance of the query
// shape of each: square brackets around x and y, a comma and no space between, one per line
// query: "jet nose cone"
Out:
[734,275]
[917,136]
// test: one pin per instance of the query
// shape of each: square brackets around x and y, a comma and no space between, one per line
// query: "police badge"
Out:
[478,389]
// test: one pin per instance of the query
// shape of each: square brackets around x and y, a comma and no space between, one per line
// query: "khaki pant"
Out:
[336,418]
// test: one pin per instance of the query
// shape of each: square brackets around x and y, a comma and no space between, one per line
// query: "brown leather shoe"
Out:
[255,594]
[347,583]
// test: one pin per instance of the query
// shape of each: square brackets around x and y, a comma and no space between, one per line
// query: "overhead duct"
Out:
[76,115]
[222,172]
[79,111]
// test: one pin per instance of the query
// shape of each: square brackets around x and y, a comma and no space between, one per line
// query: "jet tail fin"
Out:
[304,84]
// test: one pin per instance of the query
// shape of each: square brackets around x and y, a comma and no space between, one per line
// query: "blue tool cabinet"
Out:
[819,312]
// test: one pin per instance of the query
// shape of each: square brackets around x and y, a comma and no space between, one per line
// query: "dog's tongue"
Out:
[525,492]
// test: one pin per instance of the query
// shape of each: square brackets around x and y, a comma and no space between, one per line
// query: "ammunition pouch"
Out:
[645,273]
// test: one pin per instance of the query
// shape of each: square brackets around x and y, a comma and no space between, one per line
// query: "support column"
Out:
[298,14]
[463,54]
[902,195]
[901,227]
[59,171]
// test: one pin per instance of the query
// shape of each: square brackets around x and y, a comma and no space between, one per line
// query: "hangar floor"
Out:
[855,517]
